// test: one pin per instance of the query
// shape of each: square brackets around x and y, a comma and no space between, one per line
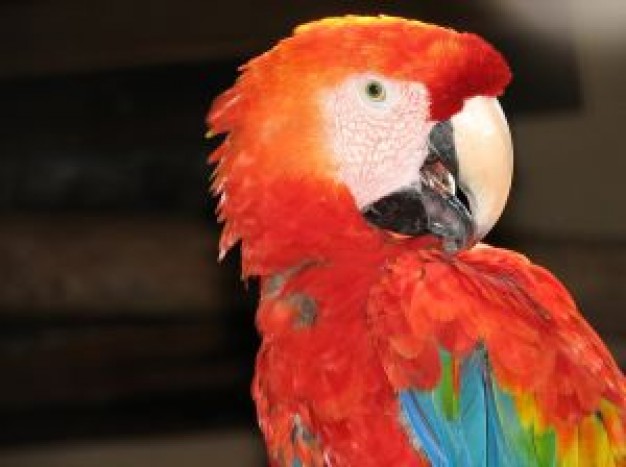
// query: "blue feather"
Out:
[473,404]
[418,415]
[484,432]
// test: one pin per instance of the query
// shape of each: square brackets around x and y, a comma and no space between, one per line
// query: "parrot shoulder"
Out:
[489,335]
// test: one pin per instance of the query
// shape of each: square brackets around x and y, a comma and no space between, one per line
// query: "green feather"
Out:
[446,393]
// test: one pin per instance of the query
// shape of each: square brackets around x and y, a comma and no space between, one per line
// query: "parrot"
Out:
[361,163]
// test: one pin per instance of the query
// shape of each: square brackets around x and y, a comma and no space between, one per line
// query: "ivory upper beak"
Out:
[485,159]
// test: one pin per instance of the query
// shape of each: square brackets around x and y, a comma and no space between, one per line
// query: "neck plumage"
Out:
[288,223]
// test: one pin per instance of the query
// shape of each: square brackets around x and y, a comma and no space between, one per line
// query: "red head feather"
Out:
[273,120]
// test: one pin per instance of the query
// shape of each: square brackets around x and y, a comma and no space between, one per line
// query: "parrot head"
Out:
[400,114]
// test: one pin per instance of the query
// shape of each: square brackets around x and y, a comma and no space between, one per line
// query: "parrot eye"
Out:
[375,91]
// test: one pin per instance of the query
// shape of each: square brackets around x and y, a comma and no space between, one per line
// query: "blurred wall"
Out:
[571,165]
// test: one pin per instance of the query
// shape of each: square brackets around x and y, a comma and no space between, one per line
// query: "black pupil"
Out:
[374,89]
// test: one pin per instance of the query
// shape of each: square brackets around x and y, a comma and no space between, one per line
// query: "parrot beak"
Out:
[463,183]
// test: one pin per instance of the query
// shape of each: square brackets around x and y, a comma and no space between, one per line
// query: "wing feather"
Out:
[520,379]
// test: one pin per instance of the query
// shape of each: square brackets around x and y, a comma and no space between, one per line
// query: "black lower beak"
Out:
[401,212]
[414,213]
[431,206]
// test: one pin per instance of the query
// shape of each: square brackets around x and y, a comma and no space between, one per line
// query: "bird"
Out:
[363,161]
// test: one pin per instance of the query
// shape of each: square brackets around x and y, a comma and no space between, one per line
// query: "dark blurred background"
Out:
[122,342]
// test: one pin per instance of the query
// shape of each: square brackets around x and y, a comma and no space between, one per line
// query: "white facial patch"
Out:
[377,130]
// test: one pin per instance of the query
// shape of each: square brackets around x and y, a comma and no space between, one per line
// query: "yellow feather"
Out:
[568,452]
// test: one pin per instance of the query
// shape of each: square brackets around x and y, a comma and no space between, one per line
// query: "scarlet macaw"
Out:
[390,335]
